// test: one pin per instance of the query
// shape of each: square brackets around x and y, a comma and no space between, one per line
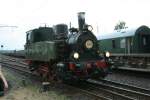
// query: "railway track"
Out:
[83,88]
[14,64]
[16,67]
[134,88]
[102,93]
[12,59]
[101,89]
[11,63]
[118,91]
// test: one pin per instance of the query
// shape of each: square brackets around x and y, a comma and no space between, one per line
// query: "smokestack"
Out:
[81,20]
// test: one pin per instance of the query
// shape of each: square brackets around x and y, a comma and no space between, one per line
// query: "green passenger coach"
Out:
[127,41]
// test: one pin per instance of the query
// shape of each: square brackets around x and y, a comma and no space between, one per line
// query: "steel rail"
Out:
[127,86]
[16,67]
[13,60]
[121,90]
[97,89]
[88,93]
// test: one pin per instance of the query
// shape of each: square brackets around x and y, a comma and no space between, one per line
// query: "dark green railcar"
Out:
[127,41]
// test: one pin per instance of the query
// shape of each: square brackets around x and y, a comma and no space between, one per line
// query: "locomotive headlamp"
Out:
[107,54]
[89,44]
[76,55]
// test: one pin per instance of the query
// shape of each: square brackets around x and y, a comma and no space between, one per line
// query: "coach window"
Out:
[122,43]
[131,41]
[113,44]
[144,41]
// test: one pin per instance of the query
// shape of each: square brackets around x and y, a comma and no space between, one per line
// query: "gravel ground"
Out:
[129,79]
[31,90]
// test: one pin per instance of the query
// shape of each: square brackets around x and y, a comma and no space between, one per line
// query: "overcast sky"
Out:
[101,14]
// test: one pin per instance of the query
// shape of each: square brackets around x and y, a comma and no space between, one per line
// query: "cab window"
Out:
[28,37]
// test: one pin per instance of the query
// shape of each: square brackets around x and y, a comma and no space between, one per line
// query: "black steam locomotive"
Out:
[55,54]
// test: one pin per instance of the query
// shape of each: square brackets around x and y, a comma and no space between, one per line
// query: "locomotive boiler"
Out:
[58,53]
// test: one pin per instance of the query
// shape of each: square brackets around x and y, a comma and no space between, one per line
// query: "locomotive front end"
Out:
[84,61]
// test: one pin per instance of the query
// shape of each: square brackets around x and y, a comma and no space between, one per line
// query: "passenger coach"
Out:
[127,41]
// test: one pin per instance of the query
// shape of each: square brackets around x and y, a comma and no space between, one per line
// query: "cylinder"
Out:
[81,20]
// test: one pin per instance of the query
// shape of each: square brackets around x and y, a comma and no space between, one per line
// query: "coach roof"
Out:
[127,32]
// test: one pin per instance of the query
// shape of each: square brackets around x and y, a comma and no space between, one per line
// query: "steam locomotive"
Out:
[61,53]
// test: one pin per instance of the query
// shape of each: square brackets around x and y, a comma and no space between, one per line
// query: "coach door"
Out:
[129,45]
[146,43]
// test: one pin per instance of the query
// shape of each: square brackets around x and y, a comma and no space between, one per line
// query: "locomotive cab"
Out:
[41,34]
